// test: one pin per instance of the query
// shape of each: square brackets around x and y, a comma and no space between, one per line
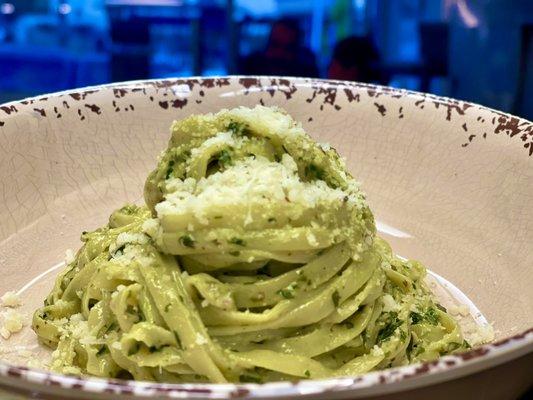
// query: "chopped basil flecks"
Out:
[103,350]
[432,316]
[238,128]
[176,336]
[314,172]
[388,330]
[237,241]
[416,318]
[335,297]
[170,169]
[187,241]
[224,158]
[286,293]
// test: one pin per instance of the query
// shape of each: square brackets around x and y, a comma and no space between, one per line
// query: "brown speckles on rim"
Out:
[323,92]
[239,392]
[9,109]
[474,353]
[507,125]
[420,103]
[118,93]
[208,83]
[374,92]
[352,95]
[327,93]
[41,111]
[223,82]
[15,372]
[82,95]
[452,105]
[177,103]
[512,126]
[57,113]
[284,86]
[247,83]
[94,108]
[505,341]
[381,109]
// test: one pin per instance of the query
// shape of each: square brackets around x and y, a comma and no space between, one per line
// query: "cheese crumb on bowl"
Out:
[11,299]
[12,322]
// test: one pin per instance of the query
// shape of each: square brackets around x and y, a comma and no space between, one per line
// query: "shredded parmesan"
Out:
[69,256]
[13,322]
[11,299]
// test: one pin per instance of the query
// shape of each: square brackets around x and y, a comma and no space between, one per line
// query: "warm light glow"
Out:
[64,8]
[7,8]
[465,13]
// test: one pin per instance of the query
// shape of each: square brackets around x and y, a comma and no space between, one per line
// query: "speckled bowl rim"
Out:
[23,379]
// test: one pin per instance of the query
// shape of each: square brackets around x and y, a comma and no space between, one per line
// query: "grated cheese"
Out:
[389,304]
[69,256]
[249,181]
[13,322]
[127,237]
[11,299]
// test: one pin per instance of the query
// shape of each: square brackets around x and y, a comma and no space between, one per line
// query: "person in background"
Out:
[284,53]
[355,59]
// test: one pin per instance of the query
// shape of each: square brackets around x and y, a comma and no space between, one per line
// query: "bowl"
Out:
[450,183]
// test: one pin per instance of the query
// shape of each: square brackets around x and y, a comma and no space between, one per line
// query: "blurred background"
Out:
[475,50]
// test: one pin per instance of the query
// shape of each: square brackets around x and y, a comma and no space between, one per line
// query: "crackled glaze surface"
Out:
[451,184]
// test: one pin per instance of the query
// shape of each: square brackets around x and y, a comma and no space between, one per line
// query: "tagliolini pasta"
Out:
[254,259]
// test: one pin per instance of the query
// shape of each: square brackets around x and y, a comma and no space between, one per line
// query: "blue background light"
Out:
[477,50]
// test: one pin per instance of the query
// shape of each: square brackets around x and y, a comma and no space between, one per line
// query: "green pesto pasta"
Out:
[254,259]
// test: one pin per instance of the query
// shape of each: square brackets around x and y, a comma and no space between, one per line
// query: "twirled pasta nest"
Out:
[255,259]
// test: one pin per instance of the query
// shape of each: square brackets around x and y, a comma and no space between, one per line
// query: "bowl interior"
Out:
[449,183]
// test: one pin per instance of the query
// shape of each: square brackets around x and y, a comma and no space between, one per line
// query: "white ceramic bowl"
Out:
[450,182]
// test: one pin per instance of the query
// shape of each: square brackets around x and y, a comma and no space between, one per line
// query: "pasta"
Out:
[254,259]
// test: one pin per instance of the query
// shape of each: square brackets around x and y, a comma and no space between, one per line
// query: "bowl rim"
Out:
[300,81]
[384,381]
